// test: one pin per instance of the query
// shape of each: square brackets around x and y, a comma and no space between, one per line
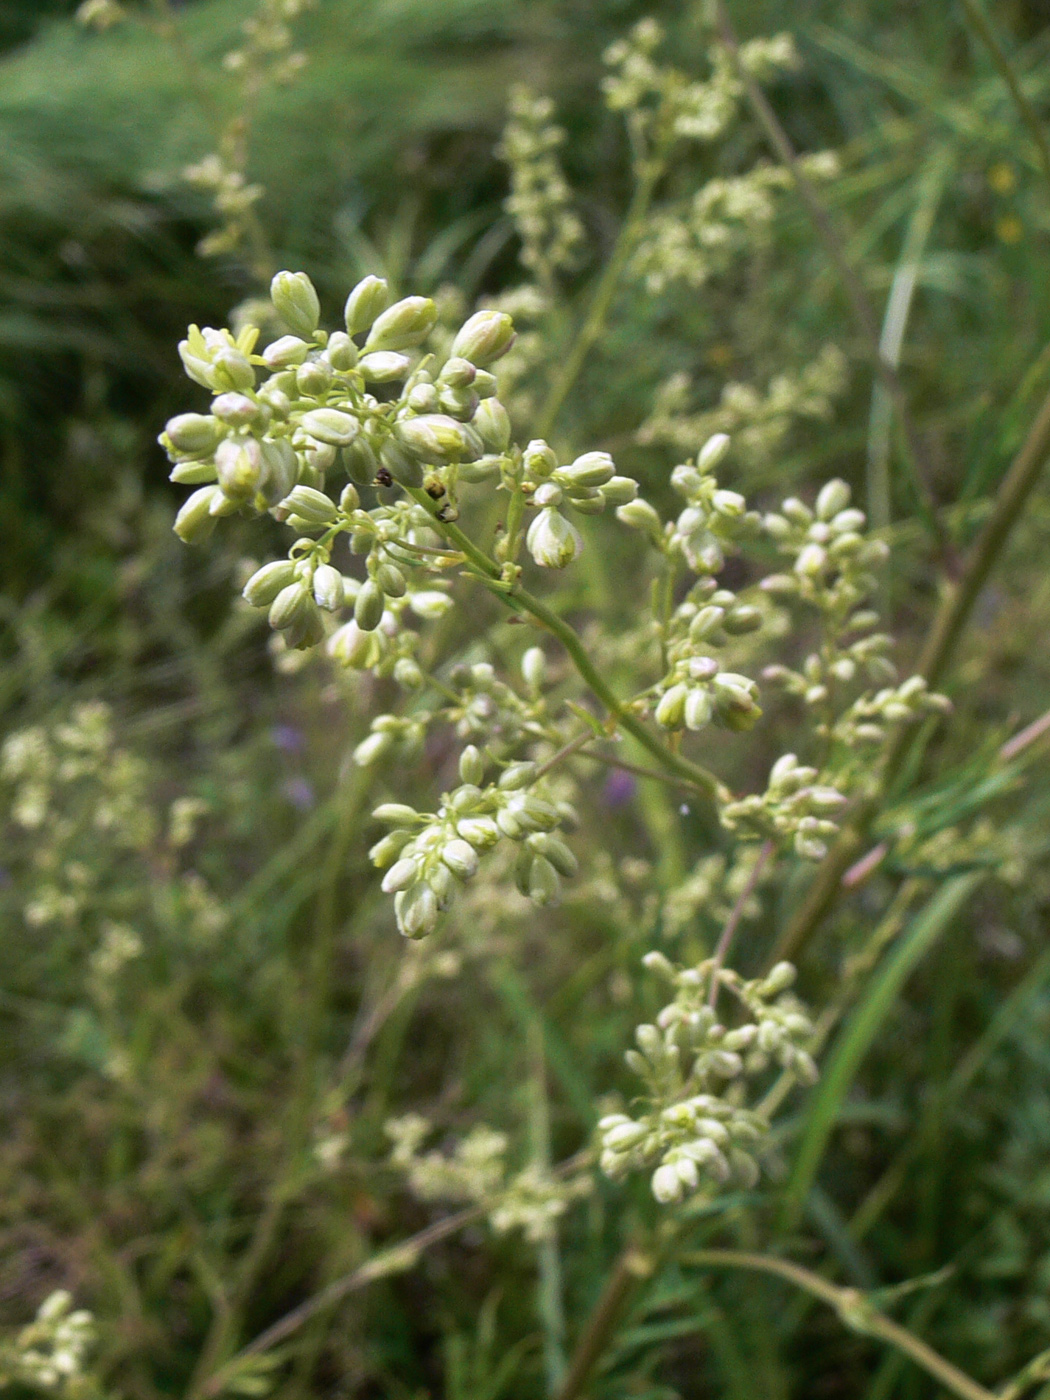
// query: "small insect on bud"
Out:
[405,324]
[296,302]
[484,338]
[365,302]
[331,426]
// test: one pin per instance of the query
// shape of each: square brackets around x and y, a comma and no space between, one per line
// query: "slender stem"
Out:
[861,307]
[949,624]
[566,751]
[1027,112]
[853,1308]
[725,939]
[630,1270]
[594,322]
[550,1288]
[513,595]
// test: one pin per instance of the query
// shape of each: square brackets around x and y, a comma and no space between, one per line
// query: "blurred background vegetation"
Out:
[156,1125]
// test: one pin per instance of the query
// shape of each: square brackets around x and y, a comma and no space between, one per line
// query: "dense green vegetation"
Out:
[207,1016]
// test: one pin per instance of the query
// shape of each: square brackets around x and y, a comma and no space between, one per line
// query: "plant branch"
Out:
[725,938]
[632,1268]
[854,1309]
[952,617]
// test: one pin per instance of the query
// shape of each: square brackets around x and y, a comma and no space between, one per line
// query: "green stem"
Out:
[513,595]
[853,1308]
[594,322]
[949,624]
[630,1270]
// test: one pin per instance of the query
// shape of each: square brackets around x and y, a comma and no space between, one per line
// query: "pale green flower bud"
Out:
[236,410]
[429,604]
[623,1136]
[686,481]
[314,379]
[238,464]
[195,521]
[650,1042]
[331,426]
[193,434]
[423,398]
[534,668]
[517,776]
[458,373]
[536,813]
[491,422]
[328,588]
[797,512]
[484,337]
[365,302]
[435,438]
[400,875]
[349,500]
[368,606]
[833,497]
[396,814]
[620,490]
[543,883]
[589,502]
[485,384]
[849,521]
[360,461]
[698,710]
[735,701]
[461,858]
[403,468]
[461,404]
[387,850]
[539,460]
[372,749]
[471,766]
[417,911]
[640,515]
[729,504]
[310,505]
[742,619]
[405,324]
[712,452]
[552,541]
[484,469]
[706,623]
[233,369]
[288,604]
[285,353]
[549,494]
[265,584]
[592,469]
[383,366]
[296,302]
[826,799]
[192,473]
[667,1185]
[407,673]
[811,559]
[391,580]
[341,352]
[671,710]
[556,851]
[280,467]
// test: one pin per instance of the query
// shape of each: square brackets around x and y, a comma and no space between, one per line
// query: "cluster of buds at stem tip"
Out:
[426,855]
[795,806]
[698,1130]
[587,485]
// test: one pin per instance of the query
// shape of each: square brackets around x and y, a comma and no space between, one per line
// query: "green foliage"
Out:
[575,636]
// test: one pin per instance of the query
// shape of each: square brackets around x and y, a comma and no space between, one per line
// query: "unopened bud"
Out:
[296,302]
[484,337]
[405,324]
[365,302]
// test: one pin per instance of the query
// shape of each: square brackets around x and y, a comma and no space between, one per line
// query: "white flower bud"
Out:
[471,766]
[372,749]
[484,337]
[543,883]
[712,452]
[435,438]
[310,505]
[328,588]
[400,875]
[405,324]
[193,434]
[552,541]
[265,584]
[811,559]
[461,858]
[396,814]
[383,366]
[670,712]
[429,604]
[365,302]
[296,302]
[619,490]
[286,352]
[195,520]
[699,708]
[331,426]
[729,503]
[640,515]
[481,832]
[417,910]
[592,469]
[621,1137]
[534,668]
[833,497]
[341,352]
[667,1184]
[491,422]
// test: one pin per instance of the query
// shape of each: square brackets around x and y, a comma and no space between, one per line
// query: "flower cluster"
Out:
[794,805]
[758,421]
[698,1128]
[427,854]
[50,1353]
[476,1171]
[540,201]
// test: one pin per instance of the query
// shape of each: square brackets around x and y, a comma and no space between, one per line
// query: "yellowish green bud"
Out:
[484,337]
[368,606]
[195,521]
[296,302]
[265,584]
[383,366]
[331,426]
[405,324]
[310,505]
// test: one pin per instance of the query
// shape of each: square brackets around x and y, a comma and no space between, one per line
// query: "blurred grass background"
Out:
[147,1195]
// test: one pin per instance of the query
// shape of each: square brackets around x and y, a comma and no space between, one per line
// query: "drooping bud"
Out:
[368,606]
[552,541]
[196,520]
[712,452]
[328,588]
